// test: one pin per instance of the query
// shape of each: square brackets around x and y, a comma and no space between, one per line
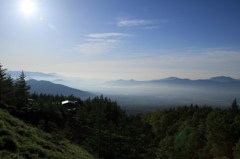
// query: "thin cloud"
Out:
[106,35]
[100,43]
[191,64]
[143,23]
[133,22]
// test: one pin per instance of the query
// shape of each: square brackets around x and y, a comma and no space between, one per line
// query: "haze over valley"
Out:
[138,96]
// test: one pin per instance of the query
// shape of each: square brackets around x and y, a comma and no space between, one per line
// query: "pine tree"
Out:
[2,79]
[6,88]
[234,107]
[22,93]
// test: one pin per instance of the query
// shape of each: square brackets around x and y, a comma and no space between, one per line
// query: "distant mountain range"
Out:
[46,83]
[224,79]
[174,91]
[47,87]
[176,80]
[53,77]
[216,91]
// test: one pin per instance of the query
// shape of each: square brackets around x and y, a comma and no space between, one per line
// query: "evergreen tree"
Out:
[2,79]
[21,93]
[234,107]
[6,88]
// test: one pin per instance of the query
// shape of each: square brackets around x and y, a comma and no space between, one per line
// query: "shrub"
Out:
[5,132]
[8,143]
[33,150]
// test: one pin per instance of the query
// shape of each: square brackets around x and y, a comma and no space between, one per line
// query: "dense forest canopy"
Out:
[100,125]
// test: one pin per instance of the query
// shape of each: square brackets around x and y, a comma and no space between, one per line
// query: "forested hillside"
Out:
[105,130]
[19,140]
[98,125]
[196,132]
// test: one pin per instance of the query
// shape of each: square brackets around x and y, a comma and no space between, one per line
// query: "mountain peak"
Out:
[171,78]
[222,79]
[175,79]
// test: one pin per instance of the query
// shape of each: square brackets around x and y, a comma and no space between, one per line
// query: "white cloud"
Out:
[143,23]
[100,43]
[106,35]
[133,22]
[147,24]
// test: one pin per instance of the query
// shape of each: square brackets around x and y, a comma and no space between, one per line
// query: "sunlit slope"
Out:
[19,141]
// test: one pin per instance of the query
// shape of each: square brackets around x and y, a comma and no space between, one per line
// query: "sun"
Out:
[27,7]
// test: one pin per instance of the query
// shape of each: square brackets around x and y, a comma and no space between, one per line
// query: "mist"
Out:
[153,94]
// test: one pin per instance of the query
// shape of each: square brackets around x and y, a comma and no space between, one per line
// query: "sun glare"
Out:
[28,7]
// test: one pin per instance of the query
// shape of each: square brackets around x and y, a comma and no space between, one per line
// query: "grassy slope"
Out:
[20,141]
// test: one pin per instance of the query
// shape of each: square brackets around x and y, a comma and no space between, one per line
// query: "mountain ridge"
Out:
[220,79]
[47,87]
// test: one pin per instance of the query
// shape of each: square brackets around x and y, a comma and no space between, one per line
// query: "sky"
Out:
[122,39]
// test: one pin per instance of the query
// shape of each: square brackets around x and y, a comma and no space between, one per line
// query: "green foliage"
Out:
[234,107]
[8,143]
[17,140]
[196,132]
[22,93]
[237,150]
[7,96]
[106,131]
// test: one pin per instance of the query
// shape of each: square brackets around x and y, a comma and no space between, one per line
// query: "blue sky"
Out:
[122,39]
